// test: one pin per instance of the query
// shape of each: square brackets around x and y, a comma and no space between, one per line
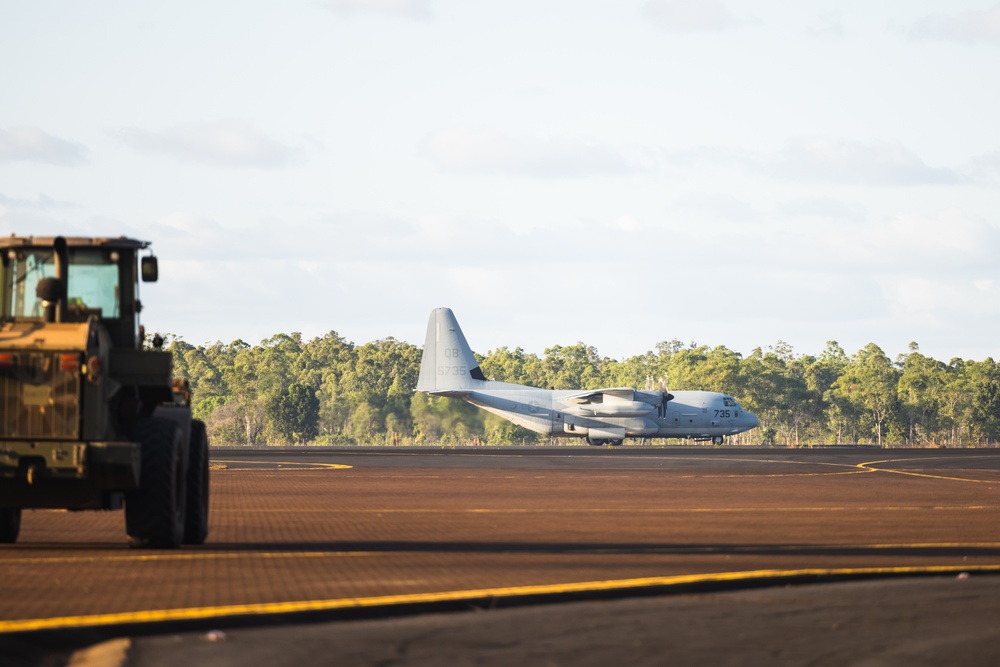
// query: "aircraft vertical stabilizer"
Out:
[448,363]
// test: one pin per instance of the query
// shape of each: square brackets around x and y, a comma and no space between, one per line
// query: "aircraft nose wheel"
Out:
[718,440]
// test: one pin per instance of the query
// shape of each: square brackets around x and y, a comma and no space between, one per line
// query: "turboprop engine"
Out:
[615,403]
[615,409]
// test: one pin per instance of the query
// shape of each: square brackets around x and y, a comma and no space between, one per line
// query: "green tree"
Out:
[921,392]
[572,367]
[985,407]
[869,385]
[296,413]
[287,390]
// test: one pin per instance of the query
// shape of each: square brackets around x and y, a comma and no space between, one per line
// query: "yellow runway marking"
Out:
[654,549]
[293,465]
[274,608]
[624,473]
[776,474]
[621,510]
[190,557]
[868,468]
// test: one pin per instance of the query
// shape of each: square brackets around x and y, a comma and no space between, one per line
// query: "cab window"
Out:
[23,269]
[92,283]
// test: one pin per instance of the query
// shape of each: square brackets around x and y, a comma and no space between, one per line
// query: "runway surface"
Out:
[341,531]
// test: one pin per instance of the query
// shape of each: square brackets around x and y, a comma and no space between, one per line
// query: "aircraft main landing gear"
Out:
[600,442]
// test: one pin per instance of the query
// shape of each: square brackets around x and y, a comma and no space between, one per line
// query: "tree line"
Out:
[331,391]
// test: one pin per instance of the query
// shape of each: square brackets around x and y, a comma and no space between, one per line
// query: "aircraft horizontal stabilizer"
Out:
[453,393]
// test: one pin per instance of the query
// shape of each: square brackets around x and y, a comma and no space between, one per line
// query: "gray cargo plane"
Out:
[602,416]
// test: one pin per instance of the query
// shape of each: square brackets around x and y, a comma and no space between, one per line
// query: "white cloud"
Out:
[828,25]
[950,236]
[822,207]
[717,206]
[982,25]
[691,157]
[572,102]
[437,227]
[487,151]
[986,168]
[182,224]
[940,301]
[411,9]
[477,281]
[845,162]
[917,245]
[24,143]
[626,223]
[689,15]
[227,143]
[41,202]
[825,160]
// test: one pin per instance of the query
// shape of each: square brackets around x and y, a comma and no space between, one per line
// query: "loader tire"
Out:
[196,511]
[10,525]
[154,511]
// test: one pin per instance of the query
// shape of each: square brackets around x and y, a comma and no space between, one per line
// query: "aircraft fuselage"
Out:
[689,414]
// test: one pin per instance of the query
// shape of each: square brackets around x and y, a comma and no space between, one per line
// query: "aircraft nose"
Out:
[752,420]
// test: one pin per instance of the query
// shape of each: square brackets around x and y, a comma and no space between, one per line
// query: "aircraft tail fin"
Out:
[448,363]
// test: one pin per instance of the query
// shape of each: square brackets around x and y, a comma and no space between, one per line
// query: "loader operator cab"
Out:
[91,419]
[71,280]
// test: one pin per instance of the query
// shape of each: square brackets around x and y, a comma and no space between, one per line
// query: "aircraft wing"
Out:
[624,393]
[614,402]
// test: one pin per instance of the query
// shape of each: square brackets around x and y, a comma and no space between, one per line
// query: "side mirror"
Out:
[150,270]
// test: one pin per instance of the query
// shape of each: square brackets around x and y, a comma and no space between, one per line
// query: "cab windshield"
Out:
[92,283]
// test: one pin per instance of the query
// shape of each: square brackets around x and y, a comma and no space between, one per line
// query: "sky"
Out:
[722,172]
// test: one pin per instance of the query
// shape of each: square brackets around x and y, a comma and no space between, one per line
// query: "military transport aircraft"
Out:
[602,416]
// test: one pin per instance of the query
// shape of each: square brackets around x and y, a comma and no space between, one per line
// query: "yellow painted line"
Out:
[632,473]
[268,608]
[295,465]
[867,466]
[613,510]
[194,557]
[653,549]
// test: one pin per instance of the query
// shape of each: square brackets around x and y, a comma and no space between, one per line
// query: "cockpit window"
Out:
[730,402]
